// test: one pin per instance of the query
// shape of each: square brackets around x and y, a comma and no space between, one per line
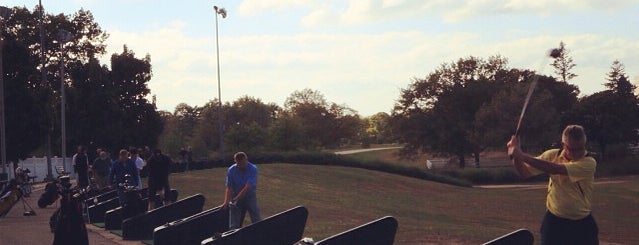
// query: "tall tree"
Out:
[563,64]
[618,80]
[26,119]
[612,116]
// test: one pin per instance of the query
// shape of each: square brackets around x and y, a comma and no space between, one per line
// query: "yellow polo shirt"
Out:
[569,196]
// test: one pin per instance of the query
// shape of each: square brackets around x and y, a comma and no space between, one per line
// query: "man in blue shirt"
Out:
[119,169]
[241,183]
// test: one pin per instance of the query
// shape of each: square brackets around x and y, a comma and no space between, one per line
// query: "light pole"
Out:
[222,12]
[43,77]
[4,14]
[63,37]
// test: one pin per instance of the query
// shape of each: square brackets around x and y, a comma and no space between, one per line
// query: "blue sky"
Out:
[359,53]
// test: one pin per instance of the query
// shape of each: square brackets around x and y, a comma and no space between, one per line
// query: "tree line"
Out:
[306,122]
[460,109]
[465,107]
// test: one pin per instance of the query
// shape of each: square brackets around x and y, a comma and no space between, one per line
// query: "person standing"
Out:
[139,164]
[120,168]
[241,185]
[81,167]
[568,218]
[158,166]
[100,168]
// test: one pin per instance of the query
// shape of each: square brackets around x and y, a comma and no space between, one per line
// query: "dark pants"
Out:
[560,231]
[238,211]
[83,178]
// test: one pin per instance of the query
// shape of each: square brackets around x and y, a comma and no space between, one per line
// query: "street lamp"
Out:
[63,37]
[4,14]
[222,12]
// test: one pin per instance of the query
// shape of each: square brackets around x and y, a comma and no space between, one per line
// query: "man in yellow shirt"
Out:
[568,218]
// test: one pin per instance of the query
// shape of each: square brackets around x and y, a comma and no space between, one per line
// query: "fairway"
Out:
[340,198]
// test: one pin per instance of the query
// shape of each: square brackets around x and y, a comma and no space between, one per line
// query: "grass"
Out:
[340,198]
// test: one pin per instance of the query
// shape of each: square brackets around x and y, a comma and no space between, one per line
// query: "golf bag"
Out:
[67,222]
[9,196]
[50,195]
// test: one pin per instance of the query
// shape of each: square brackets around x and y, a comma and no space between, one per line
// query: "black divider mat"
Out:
[96,212]
[378,232]
[283,228]
[518,237]
[113,218]
[101,198]
[192,229]
[141,226]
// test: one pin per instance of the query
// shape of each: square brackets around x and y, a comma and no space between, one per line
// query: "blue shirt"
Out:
[237,178]
[119,169]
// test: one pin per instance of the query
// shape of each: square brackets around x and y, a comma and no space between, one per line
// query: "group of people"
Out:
[125,171]
[241,178]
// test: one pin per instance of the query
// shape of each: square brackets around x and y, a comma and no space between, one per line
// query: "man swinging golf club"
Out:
[241,183]
[568,219]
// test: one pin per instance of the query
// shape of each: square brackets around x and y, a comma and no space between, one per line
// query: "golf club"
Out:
[231,206]
[554,53]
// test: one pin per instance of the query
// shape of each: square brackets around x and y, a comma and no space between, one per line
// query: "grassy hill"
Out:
[340,198]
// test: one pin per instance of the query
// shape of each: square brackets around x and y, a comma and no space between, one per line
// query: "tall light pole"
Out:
[4,14]
[43,77]
[222,12]
[63,37]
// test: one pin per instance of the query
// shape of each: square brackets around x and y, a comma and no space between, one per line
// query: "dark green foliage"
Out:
[104,108]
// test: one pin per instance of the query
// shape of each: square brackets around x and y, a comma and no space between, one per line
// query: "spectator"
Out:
[139,164]
[100,168]
[158,166]
[81,167]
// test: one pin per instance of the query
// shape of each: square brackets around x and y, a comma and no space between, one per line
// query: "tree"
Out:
[463,108]
[25,116]
[564,64]
[206,133]
[324,124]
[249,119]
[287,133]
[612,116]
[437,114]
[609,119]
[378,128]
[618,81]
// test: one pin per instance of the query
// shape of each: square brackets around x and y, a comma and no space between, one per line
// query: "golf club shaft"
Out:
[531,89]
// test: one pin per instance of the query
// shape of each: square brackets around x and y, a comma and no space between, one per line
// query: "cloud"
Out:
[255,7]
[362,70]
[355,12]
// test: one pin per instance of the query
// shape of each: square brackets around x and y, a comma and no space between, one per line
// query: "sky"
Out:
[357,53]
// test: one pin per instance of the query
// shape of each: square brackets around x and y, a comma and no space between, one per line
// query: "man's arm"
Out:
[519,158]
[543,165]
[242,193]
[227,197]
[521,168]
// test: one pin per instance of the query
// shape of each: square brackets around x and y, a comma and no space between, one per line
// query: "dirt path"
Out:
[366,150]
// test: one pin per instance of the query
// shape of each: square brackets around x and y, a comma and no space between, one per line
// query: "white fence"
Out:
[38,167]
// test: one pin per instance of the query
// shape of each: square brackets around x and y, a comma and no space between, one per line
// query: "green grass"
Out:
[340,198]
